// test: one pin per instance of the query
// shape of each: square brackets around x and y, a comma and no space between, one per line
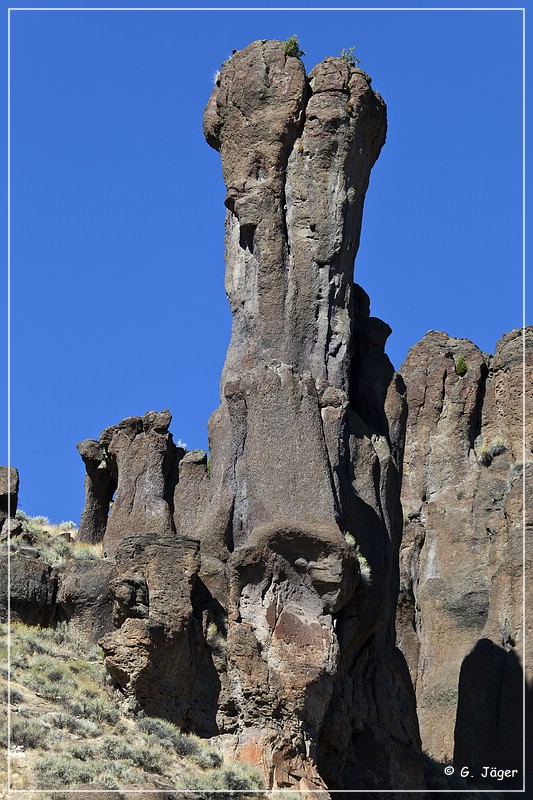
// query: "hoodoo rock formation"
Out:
[288,600]
[300,464]
[468,458]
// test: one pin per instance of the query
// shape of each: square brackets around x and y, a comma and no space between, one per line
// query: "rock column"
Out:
[303,510]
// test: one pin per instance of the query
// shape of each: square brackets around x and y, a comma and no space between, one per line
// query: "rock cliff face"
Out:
[275,576]
[468,460]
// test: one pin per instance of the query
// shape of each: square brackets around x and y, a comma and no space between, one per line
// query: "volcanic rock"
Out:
[9,489]
[468,468]
[85,599]
[131,475]
[303,504]
[100,486]
[254,600]
[156,650]
[32,588]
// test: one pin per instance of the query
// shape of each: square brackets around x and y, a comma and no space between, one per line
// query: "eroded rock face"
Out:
[460,618]
[32,588]
[135,465]
[100,486]
[157,648]
[303,452]
[84,597]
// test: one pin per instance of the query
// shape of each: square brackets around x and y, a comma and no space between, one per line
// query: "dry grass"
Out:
[68,730]
[55,542]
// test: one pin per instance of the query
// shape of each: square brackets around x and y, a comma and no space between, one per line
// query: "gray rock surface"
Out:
[32,588]
[9,489]
[131,476]
[157,652]
[255,599]
[85,599]
[100,486]
[468,461]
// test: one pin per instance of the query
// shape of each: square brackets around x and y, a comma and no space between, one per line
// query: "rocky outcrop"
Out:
[251,597]
[131,475]
[32,587]
[468,469]
[157,654]
[84,597]
[28,586]
[9,489]
[100,486]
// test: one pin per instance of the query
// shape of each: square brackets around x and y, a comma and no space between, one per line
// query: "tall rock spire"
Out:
[303,505]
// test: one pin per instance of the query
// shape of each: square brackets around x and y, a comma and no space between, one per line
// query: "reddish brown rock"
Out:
[460,618]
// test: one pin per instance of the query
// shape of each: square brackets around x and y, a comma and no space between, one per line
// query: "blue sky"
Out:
[117,270]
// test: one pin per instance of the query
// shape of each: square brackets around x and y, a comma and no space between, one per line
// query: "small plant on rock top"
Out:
[292,47]
[348,55]
[461,366]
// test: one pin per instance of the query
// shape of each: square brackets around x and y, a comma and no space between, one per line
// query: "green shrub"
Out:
[150,756]
[170,736]
[349,57]
[461,367]
[96,709]
[15,697]
[50,678]
[114,748]
[208,759]
[292,47]
[59,769]
[83,751]
[79,727]
[234,778]
[216,638]
[350,539]
[28,732]
[83,551]
[487,452]
[364,566]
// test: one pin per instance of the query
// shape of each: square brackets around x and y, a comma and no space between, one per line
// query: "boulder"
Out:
[85,599]
[9,489]
[32,588]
